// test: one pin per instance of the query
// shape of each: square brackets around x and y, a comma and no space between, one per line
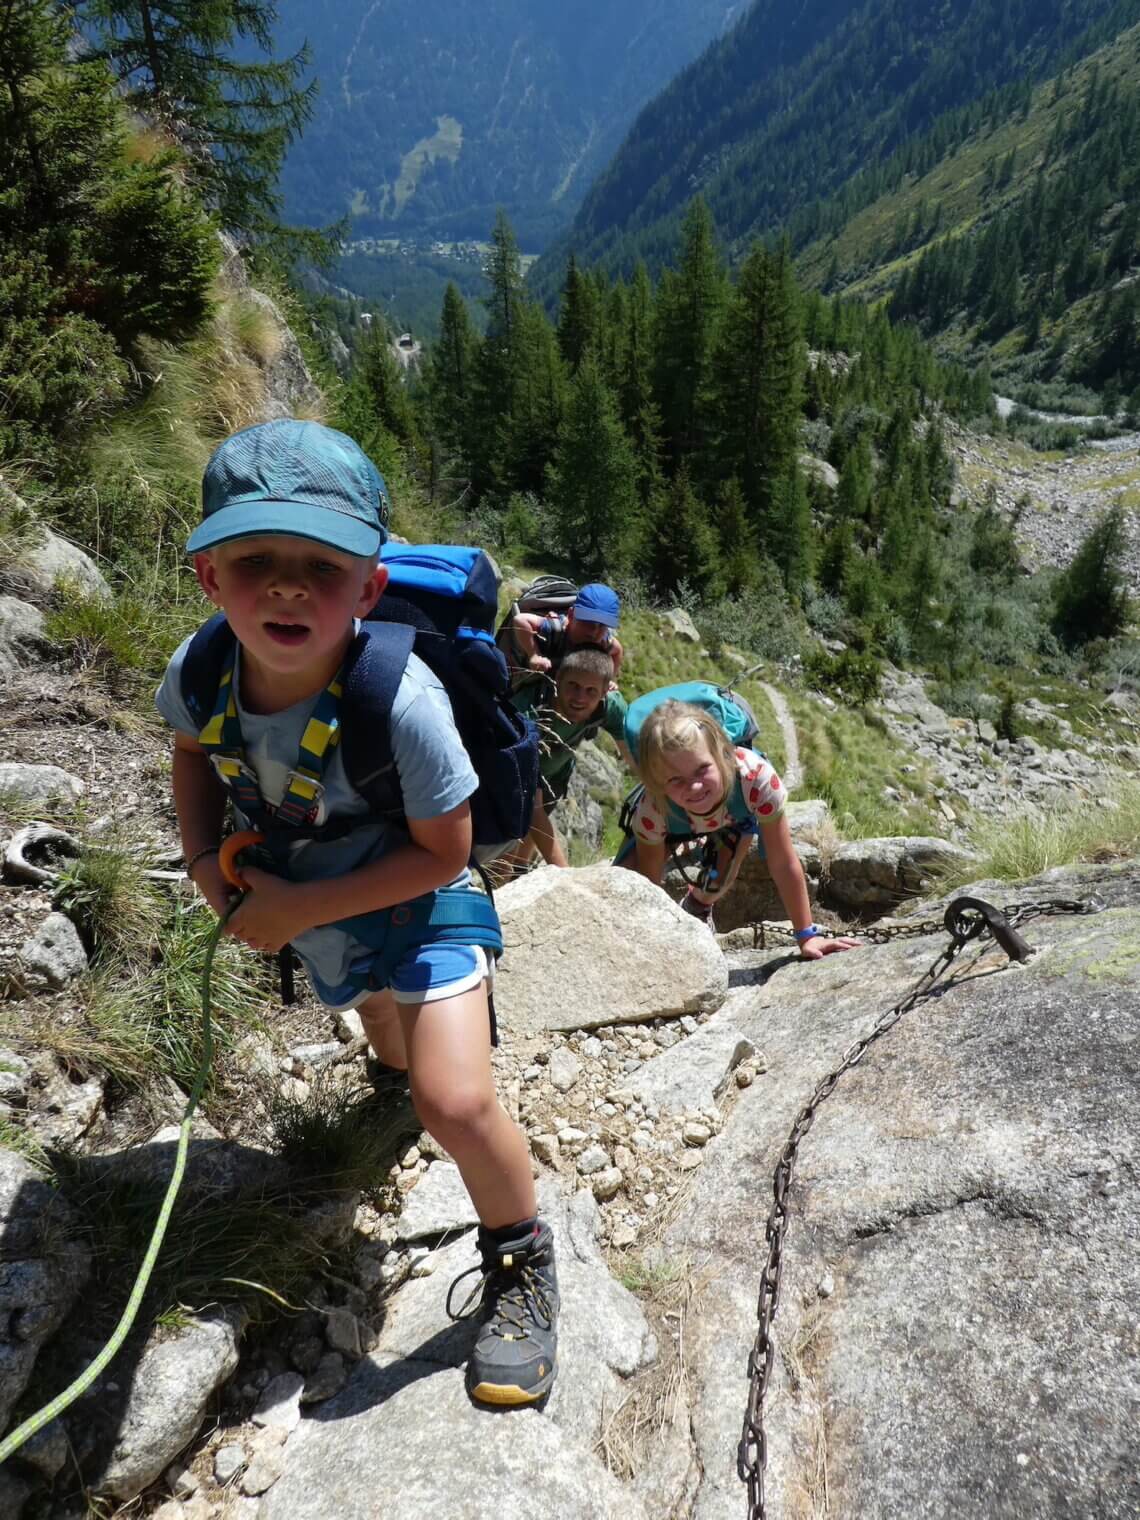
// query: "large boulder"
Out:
[21,634]
[42,1269]
[170,1387]
[404,1440]
[600,946]
[956,1329]
[881,873]
[55,561]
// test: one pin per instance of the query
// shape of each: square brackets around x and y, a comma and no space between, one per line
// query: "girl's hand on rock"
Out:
[819,945]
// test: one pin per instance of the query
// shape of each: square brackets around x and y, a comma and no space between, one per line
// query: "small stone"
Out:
[591,1048]
[306,1352]
[545,1147]
[182,1481]
[623,1158]
[263,1472]
[826,1285]
[571,1136]
[647,1050]
[593,1159]
[349,1026]
[690,1159]
[280,1404]
[650,1200]
[689,1023]
[625,1235]
[532,1074]
[328,1379]
[745,1076]
[565,1069]
[696,1134]
[410,1157]
[342,1331]
[666,1037]
[423,1268]
[228,1462]
[606,1184]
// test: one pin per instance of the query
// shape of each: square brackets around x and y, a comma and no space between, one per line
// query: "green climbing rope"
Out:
[24,1432]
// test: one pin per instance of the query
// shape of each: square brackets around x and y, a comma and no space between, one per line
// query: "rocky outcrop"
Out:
[42,1270]
[382,1435]
[585,948]
[955,1331]
[21,634]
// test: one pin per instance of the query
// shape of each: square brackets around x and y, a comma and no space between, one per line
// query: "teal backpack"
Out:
[728,707]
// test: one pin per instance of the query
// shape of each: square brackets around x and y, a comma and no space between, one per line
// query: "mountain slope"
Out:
[780,113]
[431,116]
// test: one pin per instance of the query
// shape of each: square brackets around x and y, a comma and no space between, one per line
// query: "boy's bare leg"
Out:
[382,1027]
[448,1044]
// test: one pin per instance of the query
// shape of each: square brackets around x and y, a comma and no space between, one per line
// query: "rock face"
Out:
[956,1331]
[591,947]
[404,1429]
[41,1272]
[880,873]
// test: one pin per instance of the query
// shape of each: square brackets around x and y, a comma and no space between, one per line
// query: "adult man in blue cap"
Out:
[591,623]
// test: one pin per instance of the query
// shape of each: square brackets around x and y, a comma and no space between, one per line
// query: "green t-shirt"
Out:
[558,738]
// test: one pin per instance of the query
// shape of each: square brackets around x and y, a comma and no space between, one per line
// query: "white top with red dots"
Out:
[761,788]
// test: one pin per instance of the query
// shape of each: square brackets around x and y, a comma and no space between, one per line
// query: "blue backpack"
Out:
[441,603]
[728,707]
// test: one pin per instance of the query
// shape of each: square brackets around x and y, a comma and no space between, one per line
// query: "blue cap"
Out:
[598,604]
[300,478]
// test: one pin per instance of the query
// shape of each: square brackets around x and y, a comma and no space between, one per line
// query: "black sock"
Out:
[501,1233]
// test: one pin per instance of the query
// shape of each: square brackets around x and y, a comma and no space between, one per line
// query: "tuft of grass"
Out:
[128,639]
[143,1024]
[1033,843]
[259,335]
[106,895]
[248,1246]
[334,1138]
[14,1137]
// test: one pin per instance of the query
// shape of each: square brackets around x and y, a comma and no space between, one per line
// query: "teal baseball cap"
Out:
[294,477]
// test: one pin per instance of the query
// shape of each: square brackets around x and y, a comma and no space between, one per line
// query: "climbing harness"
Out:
[966,919]
[35,1422]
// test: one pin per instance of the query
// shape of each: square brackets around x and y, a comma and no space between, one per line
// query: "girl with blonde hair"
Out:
[697,782]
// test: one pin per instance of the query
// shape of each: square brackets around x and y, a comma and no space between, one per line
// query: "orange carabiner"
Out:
[231,848]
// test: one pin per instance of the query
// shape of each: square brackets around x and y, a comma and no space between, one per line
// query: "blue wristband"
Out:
[809,933]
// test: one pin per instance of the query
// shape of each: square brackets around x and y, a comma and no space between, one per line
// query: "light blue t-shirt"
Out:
[435,774]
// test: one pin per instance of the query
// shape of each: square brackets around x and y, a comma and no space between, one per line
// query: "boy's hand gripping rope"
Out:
[23,1432]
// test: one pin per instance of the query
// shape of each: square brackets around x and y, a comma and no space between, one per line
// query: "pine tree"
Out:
[180,62]
[374,408]
[592,479]
[577,317]
[739,563]
[450,377]
[1090,600]
[758,389]
[498,367]
[684,540]
[539,401]
[689,304]
[639,413]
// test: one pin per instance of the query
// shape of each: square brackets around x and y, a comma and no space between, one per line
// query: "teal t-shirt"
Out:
[558,738]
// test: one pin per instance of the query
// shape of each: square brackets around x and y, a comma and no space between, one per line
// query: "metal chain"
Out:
[967,918]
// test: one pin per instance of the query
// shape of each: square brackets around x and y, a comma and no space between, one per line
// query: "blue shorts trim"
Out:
[426,974]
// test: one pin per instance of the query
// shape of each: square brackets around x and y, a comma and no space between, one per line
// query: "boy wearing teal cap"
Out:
[294,515]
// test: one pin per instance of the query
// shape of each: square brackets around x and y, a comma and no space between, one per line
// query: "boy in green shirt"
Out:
[580,707]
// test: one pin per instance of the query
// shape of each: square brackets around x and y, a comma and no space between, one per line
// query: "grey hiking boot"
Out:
[513,1361]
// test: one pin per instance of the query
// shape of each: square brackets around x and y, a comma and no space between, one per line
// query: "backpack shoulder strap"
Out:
[203,664]
[373,670]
